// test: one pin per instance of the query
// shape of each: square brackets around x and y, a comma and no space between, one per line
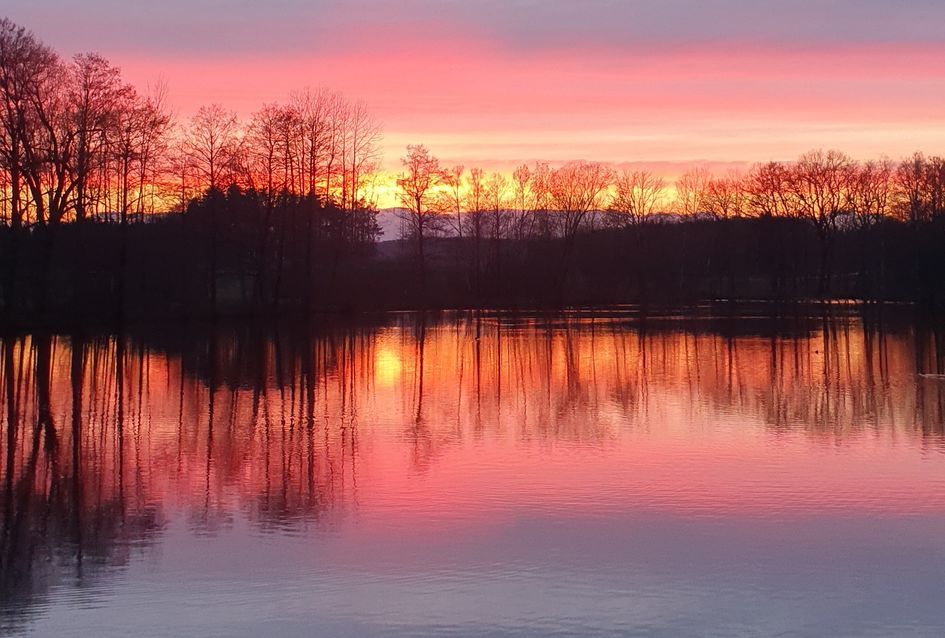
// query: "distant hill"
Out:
[389,219]
[390,222]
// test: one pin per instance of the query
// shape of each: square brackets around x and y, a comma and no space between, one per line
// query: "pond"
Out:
[584,473]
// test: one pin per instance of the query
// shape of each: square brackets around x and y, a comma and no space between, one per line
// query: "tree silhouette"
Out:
[418,184]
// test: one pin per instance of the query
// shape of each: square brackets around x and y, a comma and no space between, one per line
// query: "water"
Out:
[582,474]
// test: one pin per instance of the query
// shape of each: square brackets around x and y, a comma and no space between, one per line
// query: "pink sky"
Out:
[493,84]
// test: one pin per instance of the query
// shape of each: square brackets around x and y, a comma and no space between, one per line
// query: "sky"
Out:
[494,83]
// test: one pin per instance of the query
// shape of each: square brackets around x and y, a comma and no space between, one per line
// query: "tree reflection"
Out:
[110,437]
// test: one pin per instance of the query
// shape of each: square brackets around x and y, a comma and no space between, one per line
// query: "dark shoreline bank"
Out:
[317,261]
[736,317]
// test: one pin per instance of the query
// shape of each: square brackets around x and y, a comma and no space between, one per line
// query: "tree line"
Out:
[828,191]
[80,143]
[82,149]
[280,211]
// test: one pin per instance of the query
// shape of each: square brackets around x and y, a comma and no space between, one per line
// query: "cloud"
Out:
[501,81]
[227,27]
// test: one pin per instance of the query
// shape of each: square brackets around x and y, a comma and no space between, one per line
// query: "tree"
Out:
[155,125]
[726,197]
[18,52]
[919,182]
[577,190]
[452,197]
[97,93]
[334,109]
[213,146]
[819,183]
[361,137]
[262,146]
[870,191]
[126,148]
[540,188]
[38,144]
[476,203]
[16,45]
[496,187]
[691,191]
[768,190]
[637,195]
[521,177]
[315,109]
[40,138]
[819,188]
[418,185]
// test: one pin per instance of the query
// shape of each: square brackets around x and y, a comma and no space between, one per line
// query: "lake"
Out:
[481,474]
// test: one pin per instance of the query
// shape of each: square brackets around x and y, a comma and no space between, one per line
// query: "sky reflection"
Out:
[477,475]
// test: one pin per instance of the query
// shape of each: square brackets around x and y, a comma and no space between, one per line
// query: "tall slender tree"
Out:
[418,184]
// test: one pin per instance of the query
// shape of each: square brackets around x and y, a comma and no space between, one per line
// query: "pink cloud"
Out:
[472,102]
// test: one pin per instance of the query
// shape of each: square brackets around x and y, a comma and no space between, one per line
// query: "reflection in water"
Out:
[111,439]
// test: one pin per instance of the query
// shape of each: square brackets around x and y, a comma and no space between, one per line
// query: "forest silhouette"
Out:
[112,210]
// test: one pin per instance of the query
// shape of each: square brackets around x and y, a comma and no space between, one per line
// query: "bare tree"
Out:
[935,186]
[155,124]
[637,195]
[97,94]
[577,190]
[920,187]
[213,147]
[315,111]
[136,121]
[476,206]
[541,200]
[870,191]
[139,127]
[335,115]
[521,177]
[768,190]
[213,144]
[18,48]
[179,163]
[262,147]
[819,188]
[496,189]
[452,197]
[361,137]
[910,183]
[39,124]
[726,197]
[691,191]
[18,52]
[418,184]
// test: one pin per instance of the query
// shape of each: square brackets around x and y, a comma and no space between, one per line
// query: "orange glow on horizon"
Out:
[477,106]
[673,422]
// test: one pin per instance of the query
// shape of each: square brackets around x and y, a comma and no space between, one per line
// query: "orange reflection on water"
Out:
[454,424]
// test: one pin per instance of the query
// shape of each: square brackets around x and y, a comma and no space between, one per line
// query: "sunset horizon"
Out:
[467,318]
[628,84]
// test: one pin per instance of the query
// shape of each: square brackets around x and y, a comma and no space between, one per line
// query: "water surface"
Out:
[582,474]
